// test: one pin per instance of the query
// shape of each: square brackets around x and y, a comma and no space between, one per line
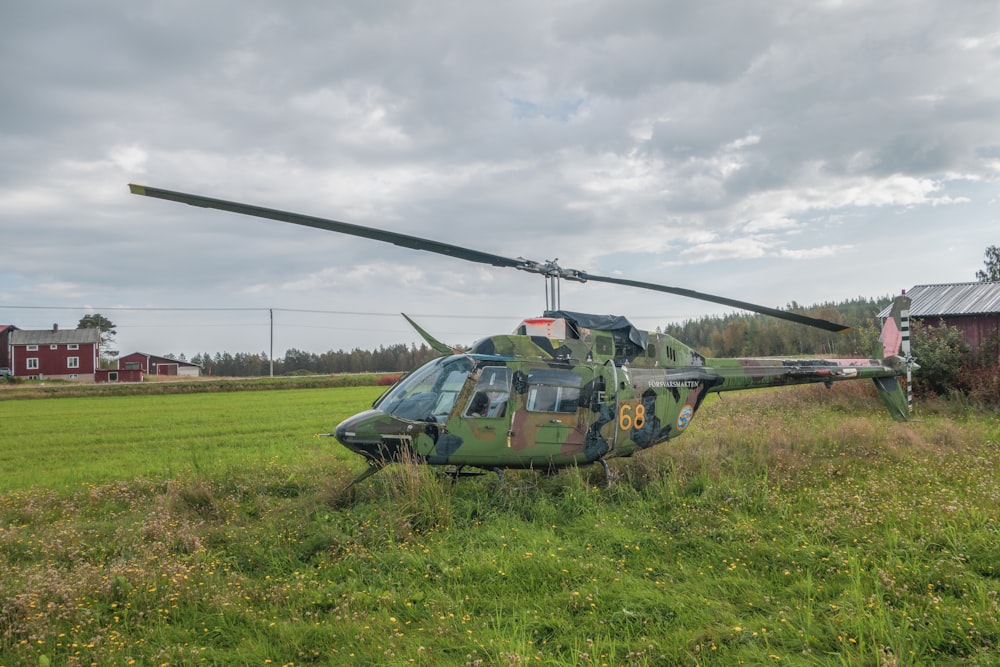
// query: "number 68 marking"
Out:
[629,417]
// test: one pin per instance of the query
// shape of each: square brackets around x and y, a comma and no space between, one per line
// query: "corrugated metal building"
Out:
[974,308]
[154,365]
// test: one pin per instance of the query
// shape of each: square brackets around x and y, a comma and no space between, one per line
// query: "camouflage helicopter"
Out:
[566,388]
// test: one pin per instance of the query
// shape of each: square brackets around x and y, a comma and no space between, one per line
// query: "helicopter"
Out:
[566,388]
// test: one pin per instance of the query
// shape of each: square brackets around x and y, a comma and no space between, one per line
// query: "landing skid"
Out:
[457,472]
[607,472]
[373,467]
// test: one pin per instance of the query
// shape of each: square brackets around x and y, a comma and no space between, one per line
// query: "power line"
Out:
[117,308]
[464,316]
[254,309]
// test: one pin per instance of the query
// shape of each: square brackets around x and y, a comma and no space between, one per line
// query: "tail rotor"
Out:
[895,339]
[904,327]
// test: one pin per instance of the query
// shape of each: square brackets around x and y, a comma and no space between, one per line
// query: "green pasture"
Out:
[92,440]
[796,526]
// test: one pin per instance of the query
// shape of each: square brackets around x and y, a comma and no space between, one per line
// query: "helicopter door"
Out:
[552,421]
[605,400]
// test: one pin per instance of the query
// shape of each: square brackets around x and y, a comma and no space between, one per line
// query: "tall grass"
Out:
[786,527]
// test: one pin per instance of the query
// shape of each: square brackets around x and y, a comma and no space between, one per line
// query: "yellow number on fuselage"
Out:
[629,417]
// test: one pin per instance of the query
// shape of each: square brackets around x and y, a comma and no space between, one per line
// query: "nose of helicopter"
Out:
[358,434]
[374,434]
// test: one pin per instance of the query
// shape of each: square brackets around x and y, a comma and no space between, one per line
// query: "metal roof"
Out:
[50,337]
[953,299]
[158,359]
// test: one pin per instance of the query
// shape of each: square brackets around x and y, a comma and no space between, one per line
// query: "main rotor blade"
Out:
[549,269]
[743,305]
[404,240]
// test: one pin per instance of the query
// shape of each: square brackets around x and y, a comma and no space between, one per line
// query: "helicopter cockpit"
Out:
[429,393]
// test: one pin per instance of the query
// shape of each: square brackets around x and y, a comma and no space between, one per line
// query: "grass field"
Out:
[797,526]
[59,443]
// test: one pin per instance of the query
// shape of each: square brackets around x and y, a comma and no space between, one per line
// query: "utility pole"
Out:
[271,355]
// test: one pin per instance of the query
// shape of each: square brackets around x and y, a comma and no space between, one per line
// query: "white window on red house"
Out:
[72,362]
[32,363]
[53,347]
[73,346]
[32,348]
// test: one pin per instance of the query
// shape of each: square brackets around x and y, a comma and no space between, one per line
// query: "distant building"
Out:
[154,365]
[116,375]
[57,354]
[973,308]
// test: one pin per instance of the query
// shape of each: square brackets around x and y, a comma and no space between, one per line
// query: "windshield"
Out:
[429,392]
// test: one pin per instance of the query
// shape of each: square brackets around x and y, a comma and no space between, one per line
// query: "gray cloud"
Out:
[709,145]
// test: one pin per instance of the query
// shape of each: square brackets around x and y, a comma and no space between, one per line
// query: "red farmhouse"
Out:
[70,354]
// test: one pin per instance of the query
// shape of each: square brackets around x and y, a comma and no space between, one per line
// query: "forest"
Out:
[393,358]
[740,335]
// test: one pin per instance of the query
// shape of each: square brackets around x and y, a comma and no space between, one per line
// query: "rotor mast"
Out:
[553,274]
[553,295]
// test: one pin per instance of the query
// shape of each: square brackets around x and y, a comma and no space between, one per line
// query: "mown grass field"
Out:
[797,526]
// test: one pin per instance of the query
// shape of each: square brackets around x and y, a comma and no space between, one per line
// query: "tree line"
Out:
[391,359]
[752,335]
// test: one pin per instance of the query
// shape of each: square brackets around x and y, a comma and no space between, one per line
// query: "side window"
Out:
[492,392]
[604,345]
[553,391]
[452,384]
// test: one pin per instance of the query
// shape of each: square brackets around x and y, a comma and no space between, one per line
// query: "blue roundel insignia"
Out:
[684,418]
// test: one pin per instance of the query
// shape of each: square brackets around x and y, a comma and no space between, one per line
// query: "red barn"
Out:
[973,308]
[69,354]
[117,375]
[154,365]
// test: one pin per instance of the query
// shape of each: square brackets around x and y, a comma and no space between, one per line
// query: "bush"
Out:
[981,384]
[949,366]
[941,352]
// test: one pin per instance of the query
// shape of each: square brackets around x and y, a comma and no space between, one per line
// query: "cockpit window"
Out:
[553,391]
[492,392]
[428,394]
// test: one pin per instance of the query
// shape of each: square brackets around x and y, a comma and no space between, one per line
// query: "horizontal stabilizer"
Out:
[893,396]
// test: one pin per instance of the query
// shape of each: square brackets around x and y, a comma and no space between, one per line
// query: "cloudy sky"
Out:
[767,151]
